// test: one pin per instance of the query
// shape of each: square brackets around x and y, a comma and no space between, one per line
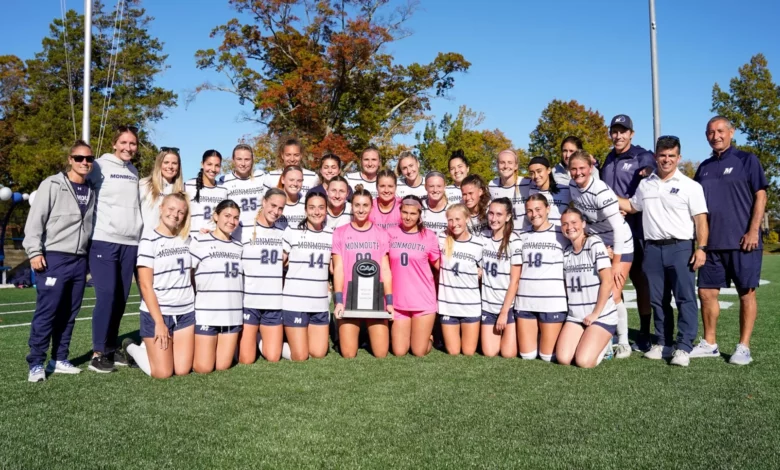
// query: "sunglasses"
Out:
[133,129]
[81,158]
[672,137]
[170,149]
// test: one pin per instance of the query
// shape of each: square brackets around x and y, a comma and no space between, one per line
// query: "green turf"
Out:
[438,411]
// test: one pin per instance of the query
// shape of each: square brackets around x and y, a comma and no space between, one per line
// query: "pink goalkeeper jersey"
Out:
[354,245]
[410,258]
[386,220]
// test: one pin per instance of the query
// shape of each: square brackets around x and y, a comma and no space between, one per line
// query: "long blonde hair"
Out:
[184,228]
[156,181]
[450,241]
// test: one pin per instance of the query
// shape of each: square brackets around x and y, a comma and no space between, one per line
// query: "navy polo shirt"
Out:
[621,173]
[730,183]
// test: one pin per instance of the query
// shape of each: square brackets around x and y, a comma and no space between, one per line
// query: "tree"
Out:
[561,119]
[325,75]
[459,133]
[752,104]
[12,104]
[688,168]
[122,89]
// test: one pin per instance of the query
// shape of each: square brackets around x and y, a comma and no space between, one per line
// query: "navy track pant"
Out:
[112,266]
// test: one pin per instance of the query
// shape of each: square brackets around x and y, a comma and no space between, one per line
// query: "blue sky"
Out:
[523,55]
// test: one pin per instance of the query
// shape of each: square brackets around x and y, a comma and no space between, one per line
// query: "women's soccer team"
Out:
[229,266]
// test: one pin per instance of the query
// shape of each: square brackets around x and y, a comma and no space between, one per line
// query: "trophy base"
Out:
[370,314]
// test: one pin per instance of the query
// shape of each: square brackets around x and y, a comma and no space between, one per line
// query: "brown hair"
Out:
[420,225]
[123,129]
[509,227]
[286,170]
[484,200]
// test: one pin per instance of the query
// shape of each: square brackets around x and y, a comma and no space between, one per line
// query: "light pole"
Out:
[654,71]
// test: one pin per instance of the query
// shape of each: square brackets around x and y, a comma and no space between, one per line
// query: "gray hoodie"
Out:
[118,207]
[55,222]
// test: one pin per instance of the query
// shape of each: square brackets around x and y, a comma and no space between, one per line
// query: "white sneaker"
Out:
[741,356]
[704,349]
[656,352]
[680,358]
[37,374]
[62,367]
[622,351]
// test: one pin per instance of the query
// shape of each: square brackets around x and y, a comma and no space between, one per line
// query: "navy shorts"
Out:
[301,319]
[172,322]
[450,320]
[255,317]
[206,330]
[723,267]
[542,317]
[492,318]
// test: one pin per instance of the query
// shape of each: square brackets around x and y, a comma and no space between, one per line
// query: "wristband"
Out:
[389,299]
[338,297]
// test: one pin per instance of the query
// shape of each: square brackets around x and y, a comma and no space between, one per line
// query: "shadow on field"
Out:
[85,358]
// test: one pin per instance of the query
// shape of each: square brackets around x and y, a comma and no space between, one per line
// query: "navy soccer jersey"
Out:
[263,262]
[730,184]
[169,259]
[218,280]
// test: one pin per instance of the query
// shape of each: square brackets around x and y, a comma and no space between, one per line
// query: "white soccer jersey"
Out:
[515,193]
[541,280]
[477,226]
[454,194]
[333,222]
[263,262]
[403,190]
[559,202]
[293,214]
[202,210]
[310,180]
[150,207]
[306,283]
[219,281]
[599,205]
[459,294]
[583,282]
[496,270]
[169,258]
[356,178]
[247,193]
[434,220]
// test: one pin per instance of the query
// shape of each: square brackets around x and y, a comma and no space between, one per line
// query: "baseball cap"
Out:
[622,120]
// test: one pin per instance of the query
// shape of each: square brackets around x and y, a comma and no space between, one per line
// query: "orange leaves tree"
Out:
[320,70]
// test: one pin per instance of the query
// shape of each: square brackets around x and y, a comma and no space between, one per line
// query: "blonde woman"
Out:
[165,179]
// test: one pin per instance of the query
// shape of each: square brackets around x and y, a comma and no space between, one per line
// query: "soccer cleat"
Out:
[656,352]
[62,367]
[101,364]
[120,356]
[124,354]
[680,358]
[37,374]
[705,349]
[741,356]
[622,351]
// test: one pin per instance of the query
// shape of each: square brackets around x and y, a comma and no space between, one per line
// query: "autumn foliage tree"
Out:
[320,70]
[561,119]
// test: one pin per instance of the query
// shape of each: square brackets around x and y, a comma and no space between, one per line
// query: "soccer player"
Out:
[330,168]
[263,261]
[56,239]
[558,197]
[459,298]
[216,262]
[599,205]
[290,153]
[205,193]
[735,190]
[414,250]
[435,205]
[115,236]
[244,186]
[385,212]
[410,180]
[290,181]
[507,185]
[458,166]
[502,262]
[358,240]
[339,210]
[167,300]
[305,304]
[476,198]
[541,298]
[561,171]
[165,179]
[370,163]
[592,316]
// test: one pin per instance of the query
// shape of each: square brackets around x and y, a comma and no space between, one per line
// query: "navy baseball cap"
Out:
[622,120]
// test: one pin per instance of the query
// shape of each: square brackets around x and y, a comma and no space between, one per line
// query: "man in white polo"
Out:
[673,212]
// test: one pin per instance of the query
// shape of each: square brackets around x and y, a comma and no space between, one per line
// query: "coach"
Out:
[624,168]
[672,205]
[735,188]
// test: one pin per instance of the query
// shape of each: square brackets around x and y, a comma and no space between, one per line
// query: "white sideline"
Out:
[33,311]
[78,319]
[85,298]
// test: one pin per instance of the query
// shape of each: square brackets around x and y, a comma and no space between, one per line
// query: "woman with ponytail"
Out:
[330,168]
[244,186]
[205,193]
[339,210]
[290,181]
[458,166]
[508,185]
[410,181]
[542,182]
[476,198]
[435,205]
[290,153]
[385,212]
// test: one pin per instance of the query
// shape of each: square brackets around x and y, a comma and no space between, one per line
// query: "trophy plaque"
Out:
[365,294]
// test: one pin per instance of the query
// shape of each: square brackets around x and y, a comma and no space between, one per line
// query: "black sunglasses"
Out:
[81,158]
[170,149]
[672,137]
[133,129]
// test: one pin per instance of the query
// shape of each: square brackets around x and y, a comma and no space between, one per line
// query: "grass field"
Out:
[437,411]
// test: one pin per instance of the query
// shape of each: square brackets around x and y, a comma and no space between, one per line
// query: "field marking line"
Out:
[83,306]
[34,301]
[78,319]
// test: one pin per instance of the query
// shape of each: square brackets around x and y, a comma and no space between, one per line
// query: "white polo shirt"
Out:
[668,206]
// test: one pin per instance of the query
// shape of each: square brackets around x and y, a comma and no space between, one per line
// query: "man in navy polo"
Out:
[735,188]
[623,169]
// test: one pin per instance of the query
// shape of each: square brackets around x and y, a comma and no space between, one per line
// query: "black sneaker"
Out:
[121,358]
[101,364]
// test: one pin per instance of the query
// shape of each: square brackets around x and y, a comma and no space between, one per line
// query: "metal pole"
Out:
[87,68]
[654,68]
